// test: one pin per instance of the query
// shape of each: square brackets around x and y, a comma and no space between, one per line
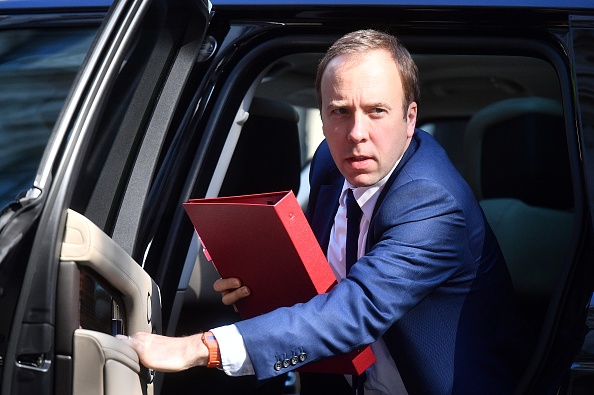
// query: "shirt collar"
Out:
[366,197]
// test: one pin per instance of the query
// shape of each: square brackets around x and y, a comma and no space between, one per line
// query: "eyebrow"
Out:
[380,104]
[341,103]
[336,103]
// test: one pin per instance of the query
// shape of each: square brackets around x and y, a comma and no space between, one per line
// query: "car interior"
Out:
[501,121]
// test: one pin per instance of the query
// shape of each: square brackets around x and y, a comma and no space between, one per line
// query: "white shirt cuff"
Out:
[235,359]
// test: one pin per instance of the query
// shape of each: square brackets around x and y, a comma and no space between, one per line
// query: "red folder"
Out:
[266,242]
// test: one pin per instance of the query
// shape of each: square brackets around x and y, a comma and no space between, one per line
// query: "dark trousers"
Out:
[324,384]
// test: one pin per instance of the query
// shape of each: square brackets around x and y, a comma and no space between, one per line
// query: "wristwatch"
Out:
[214,354]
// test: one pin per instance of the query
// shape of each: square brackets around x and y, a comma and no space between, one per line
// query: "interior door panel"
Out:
[104,365]
[100,363]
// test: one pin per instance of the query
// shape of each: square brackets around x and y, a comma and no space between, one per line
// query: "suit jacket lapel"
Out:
[412,148]
[407,155]
[326,207]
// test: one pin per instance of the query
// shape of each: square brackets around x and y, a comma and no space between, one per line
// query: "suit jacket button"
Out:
[294,360]
[302,357]
[286,363]
[278,365]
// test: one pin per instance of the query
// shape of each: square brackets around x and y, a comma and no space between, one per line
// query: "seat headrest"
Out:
[517,148]
[267,157]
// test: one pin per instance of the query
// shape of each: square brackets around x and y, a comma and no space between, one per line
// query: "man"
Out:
[430,290]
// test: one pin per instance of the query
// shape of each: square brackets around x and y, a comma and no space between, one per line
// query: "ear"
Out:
[411,119]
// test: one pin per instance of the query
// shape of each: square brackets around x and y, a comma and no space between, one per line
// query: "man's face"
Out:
[362,115]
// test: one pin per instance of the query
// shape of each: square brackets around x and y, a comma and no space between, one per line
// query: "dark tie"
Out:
[352,246]
[353,226]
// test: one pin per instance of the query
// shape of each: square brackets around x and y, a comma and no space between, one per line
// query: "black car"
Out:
[113,115]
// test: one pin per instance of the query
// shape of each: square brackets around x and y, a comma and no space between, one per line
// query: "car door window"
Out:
[37,68]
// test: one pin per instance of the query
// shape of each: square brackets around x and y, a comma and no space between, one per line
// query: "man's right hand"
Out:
[231,290]
[168,354]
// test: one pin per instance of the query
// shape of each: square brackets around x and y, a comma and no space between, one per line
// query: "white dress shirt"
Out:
[382,376]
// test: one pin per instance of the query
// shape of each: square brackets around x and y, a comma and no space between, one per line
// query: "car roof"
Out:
[561,4]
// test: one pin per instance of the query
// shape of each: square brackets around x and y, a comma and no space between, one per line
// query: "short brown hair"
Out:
[366,40]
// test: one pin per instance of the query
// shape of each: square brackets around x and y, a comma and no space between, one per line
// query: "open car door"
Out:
[72,249]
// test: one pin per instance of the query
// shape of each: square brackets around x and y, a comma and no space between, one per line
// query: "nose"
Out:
[359,128]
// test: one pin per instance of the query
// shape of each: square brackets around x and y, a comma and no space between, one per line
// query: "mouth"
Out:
[358,162]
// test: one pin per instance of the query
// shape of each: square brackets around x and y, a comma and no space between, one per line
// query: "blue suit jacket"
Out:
[433,283]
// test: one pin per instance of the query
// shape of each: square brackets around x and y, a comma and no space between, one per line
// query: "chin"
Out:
[362,181]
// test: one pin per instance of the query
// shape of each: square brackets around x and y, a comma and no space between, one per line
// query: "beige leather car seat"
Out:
[516,162]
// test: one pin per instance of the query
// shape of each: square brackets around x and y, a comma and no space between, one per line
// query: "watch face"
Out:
[214,358]
[209,339]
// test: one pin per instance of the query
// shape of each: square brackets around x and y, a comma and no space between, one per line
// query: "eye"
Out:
[340,111]
[377,110]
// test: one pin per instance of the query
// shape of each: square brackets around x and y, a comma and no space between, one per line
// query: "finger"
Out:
[125,339]
[232,297]
[136,344]
[225,285]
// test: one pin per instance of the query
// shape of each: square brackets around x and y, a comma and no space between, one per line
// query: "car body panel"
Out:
[34,321]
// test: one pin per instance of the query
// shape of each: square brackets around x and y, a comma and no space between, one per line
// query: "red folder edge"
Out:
[218,220]
[355,362]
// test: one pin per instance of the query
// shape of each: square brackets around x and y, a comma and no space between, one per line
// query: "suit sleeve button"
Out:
[286,363]
[294,360]
[278,365]
[302,357]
